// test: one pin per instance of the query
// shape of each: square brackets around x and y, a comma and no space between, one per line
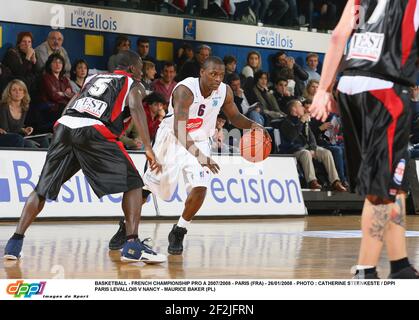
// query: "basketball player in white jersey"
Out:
[182,145]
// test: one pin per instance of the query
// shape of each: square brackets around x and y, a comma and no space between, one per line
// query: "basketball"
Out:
[254,146]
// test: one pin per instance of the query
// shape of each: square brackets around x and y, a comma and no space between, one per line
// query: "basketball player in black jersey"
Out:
[378,69]
[85,138]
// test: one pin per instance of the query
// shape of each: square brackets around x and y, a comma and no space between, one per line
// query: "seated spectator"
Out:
[192,68]
[78,75]
[282,94]
[259,7]
[154,105]
[276,12]
[185,53]
[13,109]
[53,44]
[143,49]
[131,138]
[149,72]
[56,92]
[310,90]
[240,99]
[122,43]
[21,59]
[320,14]
[328,135]
[312,62]
[260,93]
[218,140]
[300,141]
[230,63]
[253,64]
[166,83]
[283,63]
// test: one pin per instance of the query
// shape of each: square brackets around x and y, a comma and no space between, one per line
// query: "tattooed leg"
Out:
[375,218]
[395,239]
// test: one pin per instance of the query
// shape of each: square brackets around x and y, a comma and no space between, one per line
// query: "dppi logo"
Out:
[27,290]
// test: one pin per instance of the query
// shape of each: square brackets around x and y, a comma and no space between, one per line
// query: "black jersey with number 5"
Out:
[384,45]
[103,98]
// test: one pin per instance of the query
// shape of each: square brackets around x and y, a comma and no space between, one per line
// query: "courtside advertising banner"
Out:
[270,187]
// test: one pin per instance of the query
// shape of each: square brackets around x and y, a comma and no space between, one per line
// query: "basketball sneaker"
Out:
[360,274]
[118,240]
[13,249]
[407,273]
[139,251]
[176,239]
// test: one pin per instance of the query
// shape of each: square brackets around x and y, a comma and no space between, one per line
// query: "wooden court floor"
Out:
[310,247]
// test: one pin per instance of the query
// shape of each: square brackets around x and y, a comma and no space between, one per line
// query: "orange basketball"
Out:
[254,146]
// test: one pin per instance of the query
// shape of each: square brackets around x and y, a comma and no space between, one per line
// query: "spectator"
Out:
[282,94]
[192,68]
[311,89]
[282,63]
[78,75]
[261,94]
[122,43]
[13,109]
[218,139]
[312,62]
[149,72]
[328,135]
[55,94]
[131,138]
[300,140]
[276,11]
[154,105]
[253,64]
[53,44]
[240,99]
[292,17]
[143,49]
[230,63]
[21,59]
[324,10]
[260,7]
[166,83]
[185,53]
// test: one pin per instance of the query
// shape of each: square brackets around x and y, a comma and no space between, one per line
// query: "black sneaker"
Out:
[406,273]
[176,240]
[118,240]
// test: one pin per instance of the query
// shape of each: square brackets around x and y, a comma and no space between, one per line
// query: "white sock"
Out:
[183,223]
[361,267]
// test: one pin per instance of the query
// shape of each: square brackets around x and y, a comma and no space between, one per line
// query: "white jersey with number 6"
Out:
[203,111]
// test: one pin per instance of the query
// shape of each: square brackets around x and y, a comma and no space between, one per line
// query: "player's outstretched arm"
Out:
[139,117]
[182,99]
[323,101]
[236,118]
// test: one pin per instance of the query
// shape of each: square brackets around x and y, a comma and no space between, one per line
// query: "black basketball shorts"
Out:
[376,126]
[93,149]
